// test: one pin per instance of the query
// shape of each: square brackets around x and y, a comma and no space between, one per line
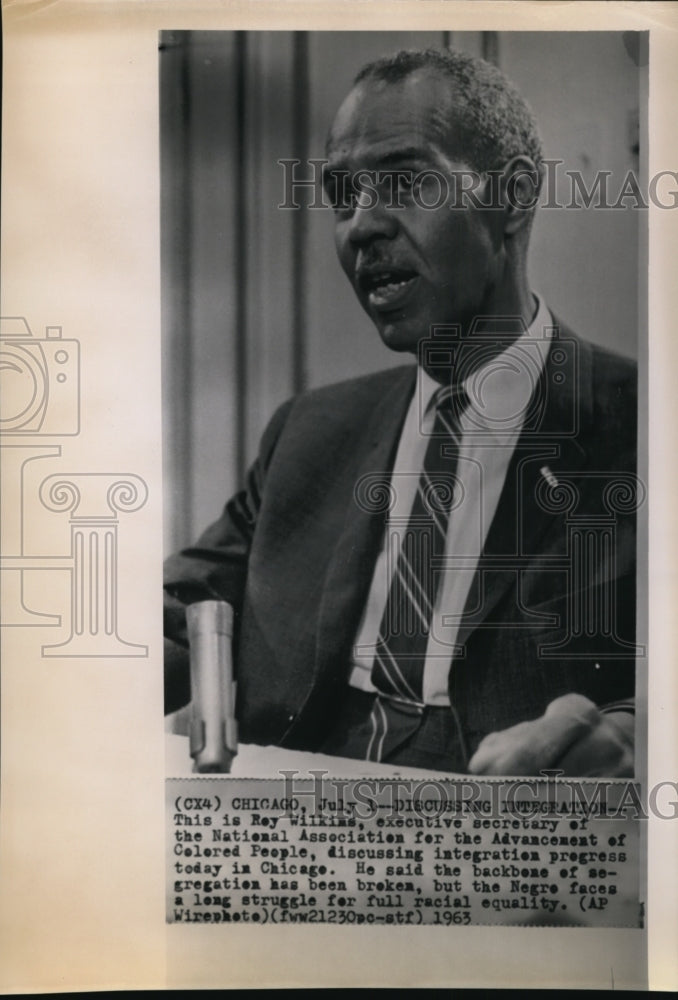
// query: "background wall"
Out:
[255,306]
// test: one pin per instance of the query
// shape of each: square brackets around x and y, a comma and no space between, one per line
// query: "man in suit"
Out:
[435,565]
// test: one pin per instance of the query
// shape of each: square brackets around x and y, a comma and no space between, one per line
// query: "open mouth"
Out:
[387,289]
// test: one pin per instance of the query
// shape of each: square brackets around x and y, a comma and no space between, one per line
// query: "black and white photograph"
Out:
[431,442]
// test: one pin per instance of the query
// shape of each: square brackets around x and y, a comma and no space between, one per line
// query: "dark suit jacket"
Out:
[552,608]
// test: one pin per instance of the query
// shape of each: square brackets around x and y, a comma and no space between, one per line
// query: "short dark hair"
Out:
[494,120]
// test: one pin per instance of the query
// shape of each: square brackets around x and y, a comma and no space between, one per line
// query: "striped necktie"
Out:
[400,654]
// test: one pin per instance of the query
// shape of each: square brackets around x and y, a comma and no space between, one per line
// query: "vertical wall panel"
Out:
[584,90]
[271,235]
[470,42]
[199,278]
[175,265]
[214,293]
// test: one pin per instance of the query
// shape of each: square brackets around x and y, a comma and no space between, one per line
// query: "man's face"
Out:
[410,266]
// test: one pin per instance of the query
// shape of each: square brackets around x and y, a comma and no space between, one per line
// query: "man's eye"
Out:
[340,195]
[406,181]
[399,186]
[342,204]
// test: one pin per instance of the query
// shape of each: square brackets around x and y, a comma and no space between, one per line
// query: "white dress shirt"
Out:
[499,393]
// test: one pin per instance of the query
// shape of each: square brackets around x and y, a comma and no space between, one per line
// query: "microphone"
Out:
[213,728]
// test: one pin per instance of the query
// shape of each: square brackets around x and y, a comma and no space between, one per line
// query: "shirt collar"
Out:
[500,390]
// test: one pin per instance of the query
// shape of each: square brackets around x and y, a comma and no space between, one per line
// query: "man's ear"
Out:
[519,187]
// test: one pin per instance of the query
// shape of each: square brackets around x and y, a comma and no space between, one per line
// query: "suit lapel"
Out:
[551,443]
[351,565]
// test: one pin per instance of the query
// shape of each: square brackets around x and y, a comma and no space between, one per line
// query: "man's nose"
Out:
[372,218]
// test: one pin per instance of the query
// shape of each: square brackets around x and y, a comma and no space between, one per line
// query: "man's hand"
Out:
[572,735]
